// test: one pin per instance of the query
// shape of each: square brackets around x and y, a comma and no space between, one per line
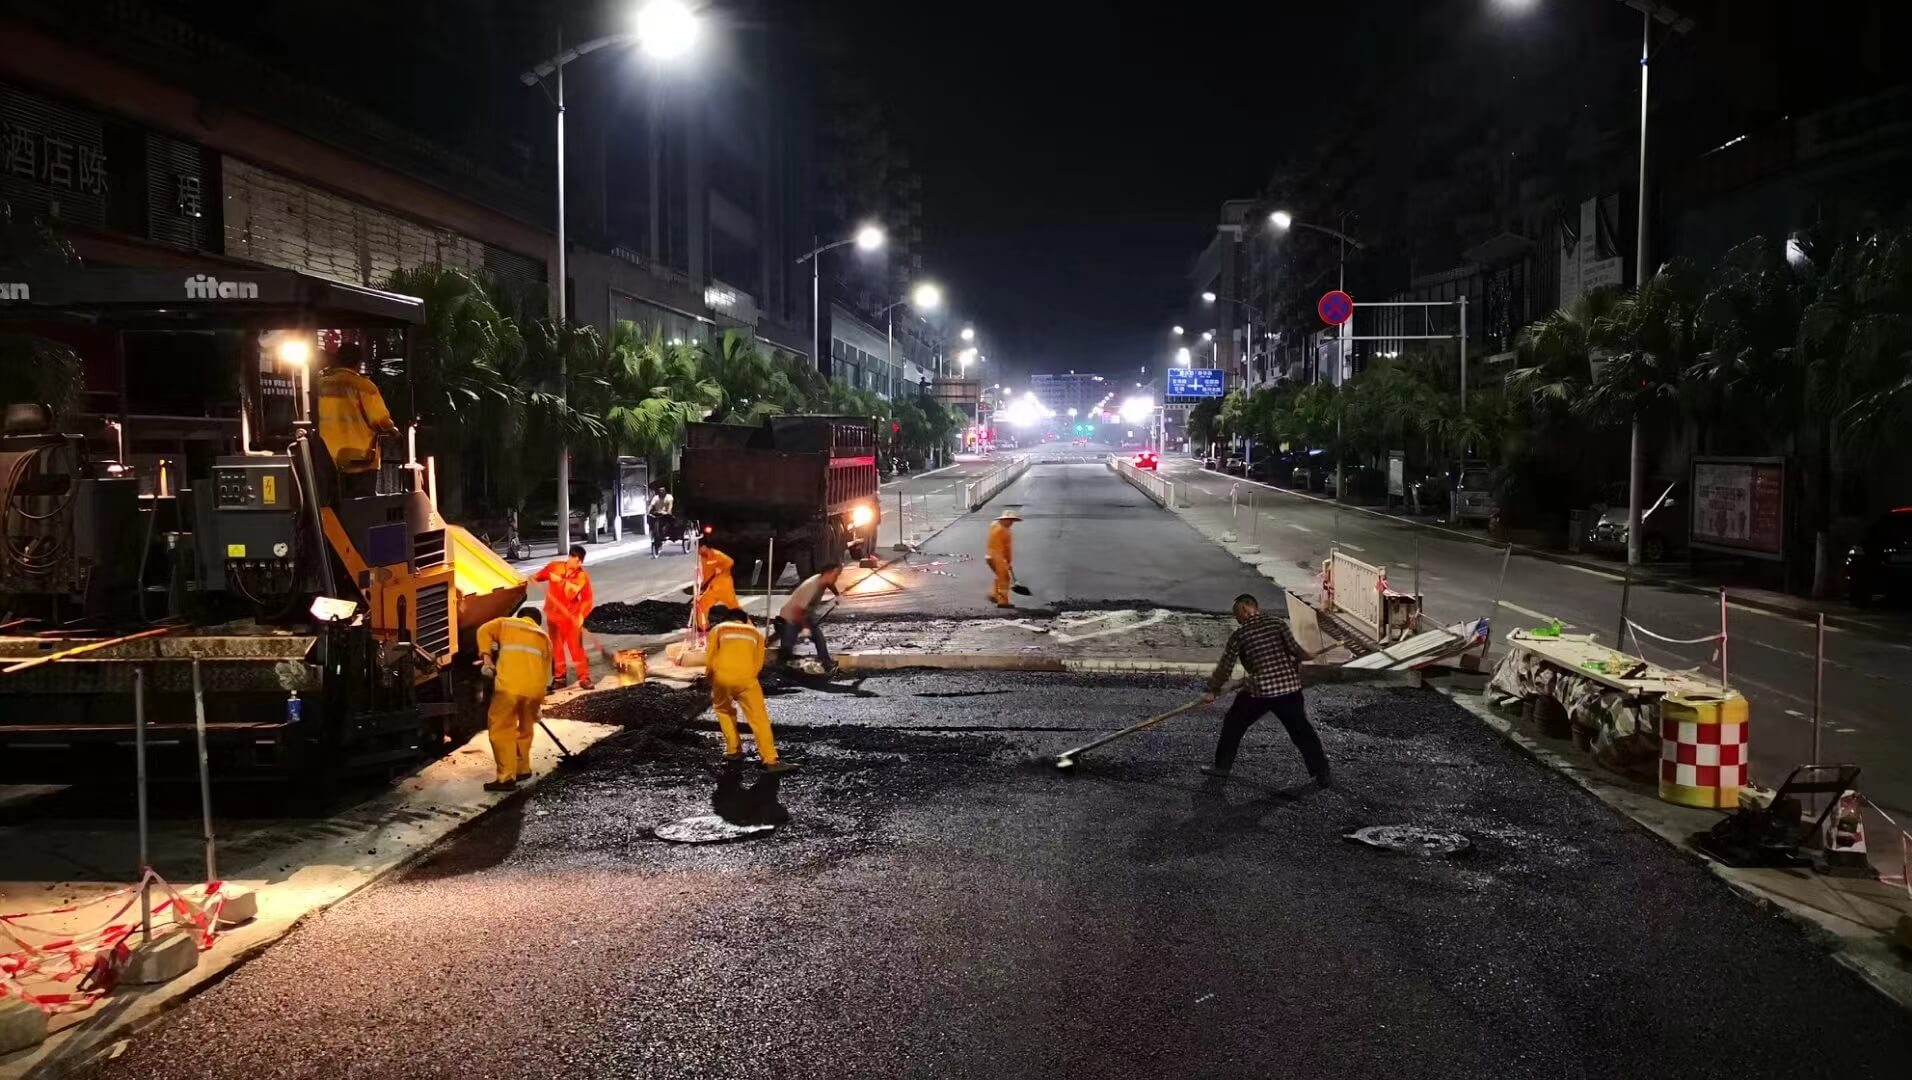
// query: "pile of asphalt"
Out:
[633,706]
[643,617]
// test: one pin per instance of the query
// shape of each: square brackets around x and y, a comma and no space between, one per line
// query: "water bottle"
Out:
[293,708]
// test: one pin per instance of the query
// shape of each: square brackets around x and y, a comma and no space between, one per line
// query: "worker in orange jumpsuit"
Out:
[715,585]
[517,656]
[734,657]
[1001,557]
[567,603]
[352,419]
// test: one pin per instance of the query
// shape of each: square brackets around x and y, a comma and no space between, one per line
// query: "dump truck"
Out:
[793,491]
[315,632]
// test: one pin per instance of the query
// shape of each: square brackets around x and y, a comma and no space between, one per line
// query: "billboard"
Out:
[1194,382]
[1739,506]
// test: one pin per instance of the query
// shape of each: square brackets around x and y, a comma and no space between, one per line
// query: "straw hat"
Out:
[1009,515]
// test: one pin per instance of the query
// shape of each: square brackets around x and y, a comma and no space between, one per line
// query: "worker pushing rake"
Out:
[1268,651]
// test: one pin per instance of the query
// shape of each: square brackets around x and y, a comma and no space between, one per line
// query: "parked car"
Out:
[1310,472]
[1364,483]
[1147,460]
[1272,469]
[1663,521]
[1234,466]
[1472,496]
[1880,564]
[1211,462]
[1427,493]
[541,511]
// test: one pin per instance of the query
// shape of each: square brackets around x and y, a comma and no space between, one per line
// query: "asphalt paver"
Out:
[943,903]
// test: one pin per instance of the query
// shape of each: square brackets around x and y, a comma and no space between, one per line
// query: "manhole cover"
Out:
[1413,839]
[707,829]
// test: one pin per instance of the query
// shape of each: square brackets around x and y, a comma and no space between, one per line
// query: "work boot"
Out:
[775,767]
[1216,771]
[584,682]
[1004,604]
[1324,779]
[502,785]
[559,682]
[523,776]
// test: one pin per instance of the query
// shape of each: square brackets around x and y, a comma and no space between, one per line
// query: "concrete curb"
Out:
[1873,961]
[76,1047]
[1802,611]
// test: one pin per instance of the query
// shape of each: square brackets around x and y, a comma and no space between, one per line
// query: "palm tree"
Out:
[1555,354]
[1746,389]
[1654,335]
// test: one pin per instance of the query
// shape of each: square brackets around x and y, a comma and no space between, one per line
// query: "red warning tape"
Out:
[95,957]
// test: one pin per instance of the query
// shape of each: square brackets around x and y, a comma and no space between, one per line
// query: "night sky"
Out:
[1076,155]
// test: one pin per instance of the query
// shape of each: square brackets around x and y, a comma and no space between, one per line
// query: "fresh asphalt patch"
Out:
[942,903]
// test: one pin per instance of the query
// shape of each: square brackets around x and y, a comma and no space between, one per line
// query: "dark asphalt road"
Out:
[945,905]
[1770,659]
[1087,536]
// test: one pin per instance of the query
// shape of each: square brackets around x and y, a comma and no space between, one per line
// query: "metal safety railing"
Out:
[991,484]
[1159,489]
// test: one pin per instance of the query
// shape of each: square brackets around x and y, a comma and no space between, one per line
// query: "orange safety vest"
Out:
[735,654]
[1001,547]
[567,595]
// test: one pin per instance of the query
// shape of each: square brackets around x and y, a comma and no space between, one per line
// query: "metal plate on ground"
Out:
[707,829]
[1413,840]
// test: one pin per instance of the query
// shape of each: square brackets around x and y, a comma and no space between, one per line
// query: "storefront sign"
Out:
[1739,506]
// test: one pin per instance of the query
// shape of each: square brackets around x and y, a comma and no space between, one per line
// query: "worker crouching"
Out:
[734,658]
[516,655]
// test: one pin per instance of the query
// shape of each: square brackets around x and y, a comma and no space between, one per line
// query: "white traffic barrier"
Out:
[1353,589]
[1160,490]
[990,484]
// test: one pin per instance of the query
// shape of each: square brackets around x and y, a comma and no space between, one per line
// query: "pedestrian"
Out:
[715,586]
[657,516]
[1268,650]
[516,656]
[734,659]
[800,613]
[1001,557]
[352,420]
[568,601]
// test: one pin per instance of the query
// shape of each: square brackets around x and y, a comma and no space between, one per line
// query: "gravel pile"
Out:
[633,706]
[643,617]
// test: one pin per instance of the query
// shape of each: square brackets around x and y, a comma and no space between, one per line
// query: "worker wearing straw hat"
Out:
[1001,557]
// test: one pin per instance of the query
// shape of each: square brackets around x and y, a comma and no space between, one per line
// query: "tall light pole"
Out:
[924,297]
[665,30]
[1283,220]
[1651,11]
[869,237]
[1248,320]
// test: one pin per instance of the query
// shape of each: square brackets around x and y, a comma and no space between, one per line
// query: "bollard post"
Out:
[205,773]
[902,520]
[1818,684]
[1722,640]
[1419,606]
[139,757]
[1254,529]
[1626,588]
[1493,617]
[770,584]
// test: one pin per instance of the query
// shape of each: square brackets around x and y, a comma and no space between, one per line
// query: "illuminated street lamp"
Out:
[1179,331]
[1182,356]
[868,237]
[924,297]
[969,333]
[663,30]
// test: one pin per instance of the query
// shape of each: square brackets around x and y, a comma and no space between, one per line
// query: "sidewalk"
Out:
[1885,624]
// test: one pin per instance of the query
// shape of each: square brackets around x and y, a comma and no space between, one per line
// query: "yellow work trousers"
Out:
[724,699]
[1004,577]
[513,718]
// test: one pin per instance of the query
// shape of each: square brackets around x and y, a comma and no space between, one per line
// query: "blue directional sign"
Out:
[1194,382]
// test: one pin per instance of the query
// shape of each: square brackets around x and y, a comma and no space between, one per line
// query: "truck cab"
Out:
[795,490]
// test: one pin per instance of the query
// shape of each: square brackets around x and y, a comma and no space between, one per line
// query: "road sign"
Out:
[1336,307]
[1194,382]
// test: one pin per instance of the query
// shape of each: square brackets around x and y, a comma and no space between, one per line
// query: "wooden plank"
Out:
[1304,624]
[1570,652]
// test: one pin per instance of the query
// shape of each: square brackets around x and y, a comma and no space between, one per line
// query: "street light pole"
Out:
[564,443]
[1636,464]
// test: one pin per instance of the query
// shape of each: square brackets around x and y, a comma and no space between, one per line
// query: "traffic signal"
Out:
[895,427]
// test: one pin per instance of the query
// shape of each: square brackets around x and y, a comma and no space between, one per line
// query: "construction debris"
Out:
[643,617]
[632,706]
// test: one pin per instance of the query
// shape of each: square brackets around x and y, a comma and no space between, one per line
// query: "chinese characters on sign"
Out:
[1194,382]
[1739,505]
[51,160]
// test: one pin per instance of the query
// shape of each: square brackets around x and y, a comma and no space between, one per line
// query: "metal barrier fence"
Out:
[1159,489]
[990,485]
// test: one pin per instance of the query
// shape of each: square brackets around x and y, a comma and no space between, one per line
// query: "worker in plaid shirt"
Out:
[1272,657]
